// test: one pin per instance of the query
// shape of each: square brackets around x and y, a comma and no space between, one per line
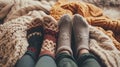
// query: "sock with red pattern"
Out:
[35,38]
[50,36]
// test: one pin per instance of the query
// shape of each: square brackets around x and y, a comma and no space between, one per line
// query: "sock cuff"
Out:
[81,47]
[64,48]
[47,52]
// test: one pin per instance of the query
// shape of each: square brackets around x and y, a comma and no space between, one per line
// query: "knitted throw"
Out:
[93,15]
[13,42]
[103,46]
[19,16]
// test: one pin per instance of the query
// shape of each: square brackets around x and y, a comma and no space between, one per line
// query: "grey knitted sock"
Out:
[81,32]
[64,38]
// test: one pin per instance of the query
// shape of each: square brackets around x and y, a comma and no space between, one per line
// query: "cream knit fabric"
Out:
[22,7]
[24,14]
[4,8]
[103,47]
[13,42]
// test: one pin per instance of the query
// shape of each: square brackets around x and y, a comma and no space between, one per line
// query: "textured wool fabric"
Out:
[103,3]
[65,33]
[22,7]
[4,9]
[19,16]
[110,8]
[93,15]
[50,36]
[112,36]
[13,41]
[103,47]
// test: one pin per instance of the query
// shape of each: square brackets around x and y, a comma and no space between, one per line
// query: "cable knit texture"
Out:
[19,16]
[103,46]
[13,39]
[93,15]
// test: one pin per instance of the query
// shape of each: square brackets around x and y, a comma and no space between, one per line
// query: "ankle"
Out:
[65,51]
[82,51]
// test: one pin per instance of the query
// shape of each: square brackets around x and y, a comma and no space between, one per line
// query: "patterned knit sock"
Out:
[35,39]
[50,35]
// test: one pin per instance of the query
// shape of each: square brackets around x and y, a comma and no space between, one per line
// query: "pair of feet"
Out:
[80,28]
[46,44]
[42,39]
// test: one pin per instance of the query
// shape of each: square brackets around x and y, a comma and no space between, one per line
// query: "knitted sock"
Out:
[50,35]
[81,32]
[64,38]
[35,39]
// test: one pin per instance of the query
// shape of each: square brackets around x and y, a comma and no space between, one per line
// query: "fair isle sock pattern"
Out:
[50,36]
[35,38]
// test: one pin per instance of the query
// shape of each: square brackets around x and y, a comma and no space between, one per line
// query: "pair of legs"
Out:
[42,43]
[80,29]
[64,54]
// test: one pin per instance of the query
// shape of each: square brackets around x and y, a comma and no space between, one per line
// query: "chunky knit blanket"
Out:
[93,15]
[17,16]
[103,47]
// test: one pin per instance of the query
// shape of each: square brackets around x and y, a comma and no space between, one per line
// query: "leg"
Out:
[26,61]
[46,61]
[65,60]
[64,52]
[35,38]
[81,32]
[47,53]
[88,60]
[50,36]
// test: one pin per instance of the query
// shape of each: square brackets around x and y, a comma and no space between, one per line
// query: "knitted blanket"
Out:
[20,15]
[93,15]
[110,8]
[103,47]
